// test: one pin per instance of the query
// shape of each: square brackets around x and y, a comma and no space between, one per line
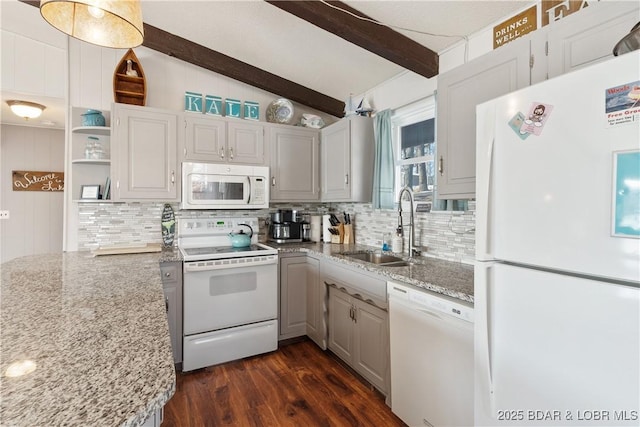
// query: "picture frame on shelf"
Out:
[90,192]
[106,194]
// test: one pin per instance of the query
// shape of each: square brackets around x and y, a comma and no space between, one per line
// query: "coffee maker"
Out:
[289,226]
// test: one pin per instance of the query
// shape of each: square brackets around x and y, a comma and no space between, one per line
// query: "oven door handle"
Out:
[195,266]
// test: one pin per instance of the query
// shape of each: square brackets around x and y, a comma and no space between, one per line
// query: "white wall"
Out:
[91,71]
[35,222]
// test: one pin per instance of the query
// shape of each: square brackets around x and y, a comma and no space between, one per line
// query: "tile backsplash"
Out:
[448,235]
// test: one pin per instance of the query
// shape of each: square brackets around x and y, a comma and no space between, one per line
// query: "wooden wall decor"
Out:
[129,84]
[37,181]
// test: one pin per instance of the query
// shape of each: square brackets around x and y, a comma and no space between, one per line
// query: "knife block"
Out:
[348,238]
[337,238]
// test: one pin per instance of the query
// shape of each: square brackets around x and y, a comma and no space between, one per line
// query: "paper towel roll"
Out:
[316,228]
[326,236]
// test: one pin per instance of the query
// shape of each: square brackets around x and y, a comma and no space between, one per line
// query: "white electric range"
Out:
[230,294]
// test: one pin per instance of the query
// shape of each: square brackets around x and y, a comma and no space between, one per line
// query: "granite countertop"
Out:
[444,277]
[97,332]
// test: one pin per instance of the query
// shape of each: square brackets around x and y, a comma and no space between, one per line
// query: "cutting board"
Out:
[119,250]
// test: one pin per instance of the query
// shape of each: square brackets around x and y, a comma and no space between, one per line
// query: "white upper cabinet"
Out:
[217,139]
[459,91]
[347,160]
[144,146]
[578,40]
[24,62]
[589,36]
[246,143]
[294,164]
[205,138]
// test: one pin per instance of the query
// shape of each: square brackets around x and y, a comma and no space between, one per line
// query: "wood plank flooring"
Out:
[297,385]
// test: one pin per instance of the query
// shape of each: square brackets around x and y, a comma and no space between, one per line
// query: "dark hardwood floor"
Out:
[297,385]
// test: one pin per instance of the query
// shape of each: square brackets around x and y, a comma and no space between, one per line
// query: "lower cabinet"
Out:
[155,419]
[303,304]
[172,285]
[316,304]
[359,335]
[293,295]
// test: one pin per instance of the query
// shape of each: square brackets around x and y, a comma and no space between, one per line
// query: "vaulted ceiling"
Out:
[315,52]
[322,46]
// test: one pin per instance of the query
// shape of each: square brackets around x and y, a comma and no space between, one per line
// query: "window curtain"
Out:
[383,165]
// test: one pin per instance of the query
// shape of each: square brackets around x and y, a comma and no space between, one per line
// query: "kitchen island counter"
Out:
[444,277]
[96,332]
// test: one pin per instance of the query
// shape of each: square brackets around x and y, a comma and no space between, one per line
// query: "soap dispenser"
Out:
[397,241]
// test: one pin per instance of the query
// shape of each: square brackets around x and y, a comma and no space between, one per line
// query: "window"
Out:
[413,129]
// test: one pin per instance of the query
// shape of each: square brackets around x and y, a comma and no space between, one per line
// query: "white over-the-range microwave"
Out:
[224,186]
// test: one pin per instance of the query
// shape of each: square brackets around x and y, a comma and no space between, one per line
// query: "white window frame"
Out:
[415,112]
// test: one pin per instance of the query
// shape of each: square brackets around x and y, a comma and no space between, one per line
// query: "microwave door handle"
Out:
[248,198]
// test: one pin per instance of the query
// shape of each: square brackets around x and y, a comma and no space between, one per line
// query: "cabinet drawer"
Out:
[355,282]
[169,274]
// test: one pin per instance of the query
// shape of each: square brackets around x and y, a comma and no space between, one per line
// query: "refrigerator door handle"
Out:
[484,375]
[486,138]
[487,196]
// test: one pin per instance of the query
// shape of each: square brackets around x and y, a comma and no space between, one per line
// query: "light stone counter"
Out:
[444,277]
[97,332]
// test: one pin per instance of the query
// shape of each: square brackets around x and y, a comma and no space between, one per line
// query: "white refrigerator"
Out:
[557,275]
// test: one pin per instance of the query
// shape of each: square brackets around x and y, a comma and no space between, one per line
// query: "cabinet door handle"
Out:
[222,152]
[166,304]
[273,181]
[355,312]
[346,179]
[231,153]
[351,312]
[173,177]
[441,166]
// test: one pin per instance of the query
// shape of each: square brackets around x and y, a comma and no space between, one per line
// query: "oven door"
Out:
[214,191]
[224,293]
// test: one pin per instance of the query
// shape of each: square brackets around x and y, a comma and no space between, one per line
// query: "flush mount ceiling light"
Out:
[25,109]
[108,23]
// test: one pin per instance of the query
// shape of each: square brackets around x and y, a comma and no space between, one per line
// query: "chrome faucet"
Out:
[412,250]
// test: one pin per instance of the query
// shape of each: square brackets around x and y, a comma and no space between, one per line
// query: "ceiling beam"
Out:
[188,51]
[175,46]
[376,38]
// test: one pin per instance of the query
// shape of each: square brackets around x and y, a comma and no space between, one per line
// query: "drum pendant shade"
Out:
[108,23]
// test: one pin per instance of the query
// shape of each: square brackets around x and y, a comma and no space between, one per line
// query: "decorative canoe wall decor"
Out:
[214,105]
[129,84]
[38,181]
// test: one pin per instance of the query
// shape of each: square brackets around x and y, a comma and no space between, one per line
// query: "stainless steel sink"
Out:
[379,259]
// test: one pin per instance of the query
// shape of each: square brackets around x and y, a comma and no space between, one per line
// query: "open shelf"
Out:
[92,130]
[91,161]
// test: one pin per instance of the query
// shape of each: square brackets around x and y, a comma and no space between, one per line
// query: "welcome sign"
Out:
[38,181]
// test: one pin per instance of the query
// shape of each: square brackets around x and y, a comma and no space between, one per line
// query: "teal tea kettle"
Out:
[241,239]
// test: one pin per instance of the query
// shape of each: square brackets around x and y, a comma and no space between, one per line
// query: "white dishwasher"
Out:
[431,339]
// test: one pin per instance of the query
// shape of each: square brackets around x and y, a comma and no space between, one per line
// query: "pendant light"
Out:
[25,109]
[108,23]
